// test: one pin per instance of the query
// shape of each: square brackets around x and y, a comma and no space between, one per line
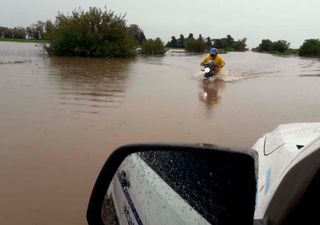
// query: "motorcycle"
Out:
[209,70]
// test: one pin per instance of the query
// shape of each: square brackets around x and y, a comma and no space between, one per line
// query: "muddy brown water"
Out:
[60,118]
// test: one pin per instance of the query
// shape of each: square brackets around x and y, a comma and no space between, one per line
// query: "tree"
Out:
[310,47]
[229,40]
[208,42]
[19,32]
[136,33]
[265,46]
[240,45]
[153,47]
[48,27]
[280,46]
[181,42]
[36,31]
[223,43]
[195,45]
[173,43]
[190,36]
[2,30]
[92,33]
[7,32]
[201,44]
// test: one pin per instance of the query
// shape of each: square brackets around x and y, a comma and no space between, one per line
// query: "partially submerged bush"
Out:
[196,45]
[95,33]
[153,47]
[265,46]
[203,44]
[280,46]
[240,45]
[276,47]
[229,44]
[310,47]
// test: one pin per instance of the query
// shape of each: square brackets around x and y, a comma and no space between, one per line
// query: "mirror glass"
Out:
[168,187]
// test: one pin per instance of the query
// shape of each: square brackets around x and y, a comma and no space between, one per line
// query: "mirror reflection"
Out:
[168,187]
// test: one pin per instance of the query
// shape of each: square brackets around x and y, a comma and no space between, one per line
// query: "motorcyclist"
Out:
[215,58]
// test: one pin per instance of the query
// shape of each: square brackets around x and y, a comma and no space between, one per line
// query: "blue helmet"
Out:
[213,51]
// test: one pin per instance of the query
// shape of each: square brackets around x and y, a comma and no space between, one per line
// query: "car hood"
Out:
[293,135]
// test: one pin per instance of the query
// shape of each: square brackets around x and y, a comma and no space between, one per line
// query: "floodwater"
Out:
[60,118]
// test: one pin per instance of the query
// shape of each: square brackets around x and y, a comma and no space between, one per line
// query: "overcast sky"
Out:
[290,20]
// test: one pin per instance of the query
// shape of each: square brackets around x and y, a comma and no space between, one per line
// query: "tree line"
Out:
[93,33]
[40,31]
[266,45]
[36,31]
[201,44]
[310,47]
[101,33]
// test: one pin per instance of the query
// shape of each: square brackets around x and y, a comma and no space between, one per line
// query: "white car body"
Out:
[291,148]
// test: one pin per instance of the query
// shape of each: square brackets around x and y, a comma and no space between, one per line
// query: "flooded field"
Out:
[60,118]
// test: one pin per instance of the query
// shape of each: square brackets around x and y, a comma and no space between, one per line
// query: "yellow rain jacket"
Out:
[218,60]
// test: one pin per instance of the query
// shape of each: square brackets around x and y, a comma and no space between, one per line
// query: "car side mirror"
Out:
[175,184]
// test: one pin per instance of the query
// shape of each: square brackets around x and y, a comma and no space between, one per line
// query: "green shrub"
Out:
[310,47]
[276,47]
[229,44]
[223,43]
[203,44]
[240,45]
[292,51]
[95,33]
[265,46]
[153,47]
[280,46]
[196,45]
